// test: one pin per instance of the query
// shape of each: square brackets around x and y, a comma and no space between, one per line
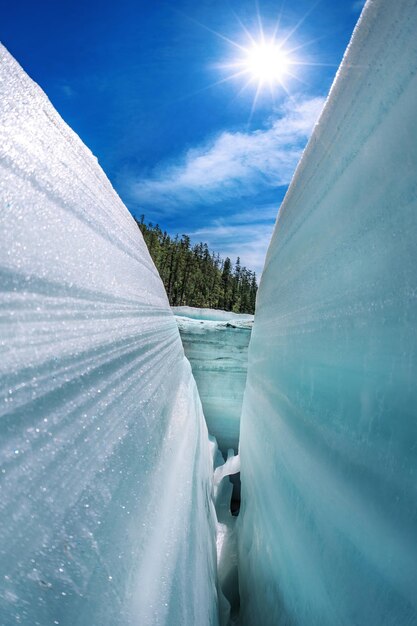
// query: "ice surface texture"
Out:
[216,344]
[106,515]
[329,428]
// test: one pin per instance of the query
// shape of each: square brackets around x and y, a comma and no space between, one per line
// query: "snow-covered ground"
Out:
[106,513]
[328,525]
[216,344]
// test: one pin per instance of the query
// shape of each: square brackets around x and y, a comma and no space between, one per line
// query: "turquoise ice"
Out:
[110,514]
[216,344]
[328,530]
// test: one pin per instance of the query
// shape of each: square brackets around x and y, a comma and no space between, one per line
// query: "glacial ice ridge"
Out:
[106,508]
[329,426]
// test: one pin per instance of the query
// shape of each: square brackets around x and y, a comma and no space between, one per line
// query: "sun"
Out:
[267,62]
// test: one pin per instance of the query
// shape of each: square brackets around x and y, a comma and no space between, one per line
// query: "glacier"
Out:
[114,499]
[216,344]
[106,479]
[328,445]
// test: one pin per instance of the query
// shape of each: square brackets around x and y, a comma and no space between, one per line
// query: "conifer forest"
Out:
[195,276]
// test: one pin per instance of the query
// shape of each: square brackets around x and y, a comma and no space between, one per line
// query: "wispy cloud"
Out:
[67,90]
[245,234]
[233,164]
[233,179]
[358,5]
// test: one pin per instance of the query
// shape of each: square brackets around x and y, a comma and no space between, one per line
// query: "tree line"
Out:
[194,276]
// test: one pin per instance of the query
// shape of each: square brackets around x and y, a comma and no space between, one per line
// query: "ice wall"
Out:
[216,344]
[106,515]
[328,524]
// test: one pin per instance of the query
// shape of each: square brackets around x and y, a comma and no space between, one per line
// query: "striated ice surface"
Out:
[106,513]
[216,344]
[328,524]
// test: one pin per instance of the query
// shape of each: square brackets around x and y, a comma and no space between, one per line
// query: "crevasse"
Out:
[108,505]
[216,344]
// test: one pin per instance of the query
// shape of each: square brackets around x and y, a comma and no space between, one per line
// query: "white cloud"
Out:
[233,164]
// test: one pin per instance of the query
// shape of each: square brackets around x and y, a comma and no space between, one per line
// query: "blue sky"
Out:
[144,84]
